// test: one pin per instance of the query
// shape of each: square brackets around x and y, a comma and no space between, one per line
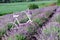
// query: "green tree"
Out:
[58,1]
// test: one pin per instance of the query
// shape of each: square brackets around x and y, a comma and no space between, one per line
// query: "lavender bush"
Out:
[20,37]
[10,25]
[24,20]
[50,31]
[56,18]
[35,30]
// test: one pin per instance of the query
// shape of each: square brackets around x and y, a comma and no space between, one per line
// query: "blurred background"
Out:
[10,6]
[9,1]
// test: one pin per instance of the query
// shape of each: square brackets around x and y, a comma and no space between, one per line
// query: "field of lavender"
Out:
[44,25]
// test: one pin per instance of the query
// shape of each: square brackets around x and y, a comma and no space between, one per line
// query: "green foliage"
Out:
[38,21]
[31,30]
[20,37]
[24,20]
[44,18]
[5,13]
[17,7]
[10,38]
[43,4]
[2,32]
[16,22]
[10,25]
[33,6]
[58,1]
[9,1]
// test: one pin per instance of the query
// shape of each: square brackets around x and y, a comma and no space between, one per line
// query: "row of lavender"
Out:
[51,30]
[24,28]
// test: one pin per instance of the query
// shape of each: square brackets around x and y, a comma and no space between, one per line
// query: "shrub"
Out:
[16,22]
[38,21]
[45,19]
[2,32]
[10,25]
[43,4]
[17,37]
[32,30]
[58,1]
[33,6]
[20,37]
[24,20]
[9,38]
